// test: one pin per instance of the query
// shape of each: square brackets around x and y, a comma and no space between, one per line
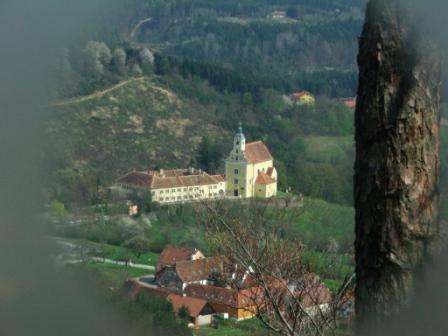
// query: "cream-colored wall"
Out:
[188,194]
[241,177]
[257,168]
[266,191]
[247,175]
[306,100]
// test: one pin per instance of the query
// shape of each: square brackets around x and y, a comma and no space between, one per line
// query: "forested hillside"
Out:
[203,67]
[313,47]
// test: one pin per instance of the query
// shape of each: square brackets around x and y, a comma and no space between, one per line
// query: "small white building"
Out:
[278,15]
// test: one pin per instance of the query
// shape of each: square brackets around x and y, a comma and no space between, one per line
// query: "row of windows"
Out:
[180,198]
[167,191]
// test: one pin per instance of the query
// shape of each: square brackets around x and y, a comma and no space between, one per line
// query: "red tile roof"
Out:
[257,152]
[301,94]
[311,291]
[183,181]
[169,179]
[137,179]
[194,305]
[350,103]
[219,178]
[230,297]
[170,255]
[265,179]
[202,269]
[269,171]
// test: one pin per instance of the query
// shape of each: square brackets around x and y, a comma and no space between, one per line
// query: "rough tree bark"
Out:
[397,163]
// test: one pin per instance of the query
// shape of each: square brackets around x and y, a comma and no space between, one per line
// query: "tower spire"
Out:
[239,142]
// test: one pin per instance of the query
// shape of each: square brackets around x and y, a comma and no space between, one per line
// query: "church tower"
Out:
[239,140]
[236,166]
[250,170]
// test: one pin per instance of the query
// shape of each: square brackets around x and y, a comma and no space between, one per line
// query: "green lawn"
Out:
[251,327]
[321,221]
[116,252]
[113,275]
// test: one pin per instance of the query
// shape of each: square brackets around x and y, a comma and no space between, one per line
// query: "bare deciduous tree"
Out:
[286,297]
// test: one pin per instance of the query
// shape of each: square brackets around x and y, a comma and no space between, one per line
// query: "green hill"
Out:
[140,124]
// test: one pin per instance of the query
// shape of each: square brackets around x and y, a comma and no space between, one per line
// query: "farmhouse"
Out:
[170,255]
[200,311]
[250,169]
[183,273]
[237,304]
[218,286]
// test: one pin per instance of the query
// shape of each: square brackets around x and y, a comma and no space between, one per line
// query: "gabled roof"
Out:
[169,179]
[311,291]
[201,269]
[219,178]
[170,255]
[230,297]
[269,171]
[257,152]
[183,181]
[264,178]
[194,305]
[137,179]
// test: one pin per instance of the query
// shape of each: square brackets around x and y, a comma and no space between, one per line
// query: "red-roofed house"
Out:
[170,255]
[199,271]
[304,98]
[231,303]
[201,312]
[250,169]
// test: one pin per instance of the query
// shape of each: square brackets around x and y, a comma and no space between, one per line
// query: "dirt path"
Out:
[109,261]
[137,27]
[97,94]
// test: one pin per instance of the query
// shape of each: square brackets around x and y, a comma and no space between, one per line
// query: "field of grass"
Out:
[321,222]
[328,149]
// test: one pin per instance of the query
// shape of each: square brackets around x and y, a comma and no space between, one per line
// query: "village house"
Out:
[304,98]
[170,255]
[217,286]
[183,273]
[313,294]
[250,170]
[236,304]
[174,186]
[201,312]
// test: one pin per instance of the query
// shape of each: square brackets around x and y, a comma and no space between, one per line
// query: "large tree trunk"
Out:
[397,163]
